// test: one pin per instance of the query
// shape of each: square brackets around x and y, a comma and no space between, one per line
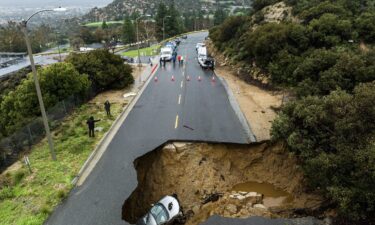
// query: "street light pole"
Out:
[36,81]
[137,28]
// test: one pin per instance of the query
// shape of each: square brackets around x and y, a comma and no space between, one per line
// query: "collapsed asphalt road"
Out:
[196,109]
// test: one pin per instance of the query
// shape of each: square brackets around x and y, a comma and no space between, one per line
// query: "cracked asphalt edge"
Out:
[236,107]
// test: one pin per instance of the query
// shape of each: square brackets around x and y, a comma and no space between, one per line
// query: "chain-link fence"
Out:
[11,147]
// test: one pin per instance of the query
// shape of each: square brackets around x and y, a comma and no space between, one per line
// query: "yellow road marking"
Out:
[176,123]
[179,99]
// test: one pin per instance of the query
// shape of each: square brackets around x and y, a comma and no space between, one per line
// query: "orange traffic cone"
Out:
[199,78]
[172,78]
[156,79]
[213,79]
[188,78]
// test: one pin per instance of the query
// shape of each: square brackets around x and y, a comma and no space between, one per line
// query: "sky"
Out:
[54,3]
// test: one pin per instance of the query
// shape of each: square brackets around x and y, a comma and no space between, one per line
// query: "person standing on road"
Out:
[161,61]
[150,61]
[91,124]
[179,59]
[182,60]
[107,107]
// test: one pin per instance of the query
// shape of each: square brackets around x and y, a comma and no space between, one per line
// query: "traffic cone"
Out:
[172,78]
[199,78]
[188,78]
[213,79]
[156,79]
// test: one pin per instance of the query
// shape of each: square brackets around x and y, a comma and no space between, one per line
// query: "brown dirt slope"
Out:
[217,169]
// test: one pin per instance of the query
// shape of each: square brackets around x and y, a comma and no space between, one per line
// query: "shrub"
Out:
[333,136]
[105,70]
[57,82]
[6,192]
[260,4]
[366,26]
[329,30]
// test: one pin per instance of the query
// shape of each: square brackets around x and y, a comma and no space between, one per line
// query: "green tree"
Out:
[329,30]
[128,31]
[161,13]
[316,12]
[12,39]
[104,25]
[105,70]
[57,82]
[86,35]
[173,24]
[334,138]
[227,31]
[366,26]
[219,16]
[260,4]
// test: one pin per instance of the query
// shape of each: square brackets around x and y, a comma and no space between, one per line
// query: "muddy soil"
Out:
[256,104]
[194,171]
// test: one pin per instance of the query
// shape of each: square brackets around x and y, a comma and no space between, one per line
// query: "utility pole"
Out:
[23,26]
[137,28]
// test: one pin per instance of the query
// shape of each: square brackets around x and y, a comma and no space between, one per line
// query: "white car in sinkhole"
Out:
[166,211]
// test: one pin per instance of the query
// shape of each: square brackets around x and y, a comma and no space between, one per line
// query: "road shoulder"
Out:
[256,104]
[99,150]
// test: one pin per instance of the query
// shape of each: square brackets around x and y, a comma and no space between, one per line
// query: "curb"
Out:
[112,129]
[238,111]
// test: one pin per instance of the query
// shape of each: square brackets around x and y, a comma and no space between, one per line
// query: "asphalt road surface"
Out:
[188,106]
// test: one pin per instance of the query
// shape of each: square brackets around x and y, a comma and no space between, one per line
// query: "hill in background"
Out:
[119,8]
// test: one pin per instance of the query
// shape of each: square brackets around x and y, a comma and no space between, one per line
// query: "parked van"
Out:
[204,60]
[166,53]
[202,52]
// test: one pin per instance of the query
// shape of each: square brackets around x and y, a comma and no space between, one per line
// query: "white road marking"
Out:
[179,99]
[182,83]
[176,123]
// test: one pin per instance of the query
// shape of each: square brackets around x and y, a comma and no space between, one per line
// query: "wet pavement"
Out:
[172,107]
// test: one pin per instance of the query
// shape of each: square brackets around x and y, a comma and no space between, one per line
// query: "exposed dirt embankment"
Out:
[195,171]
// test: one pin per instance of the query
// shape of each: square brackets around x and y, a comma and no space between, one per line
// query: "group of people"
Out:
[91,121]
[175,57]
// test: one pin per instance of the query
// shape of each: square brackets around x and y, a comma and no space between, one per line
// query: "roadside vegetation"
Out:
[29,198]
[82,76]
[323,53]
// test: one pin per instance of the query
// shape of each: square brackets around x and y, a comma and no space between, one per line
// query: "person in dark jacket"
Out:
[107,107]
[91,124]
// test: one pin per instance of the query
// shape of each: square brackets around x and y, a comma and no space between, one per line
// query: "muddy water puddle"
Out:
[271,195]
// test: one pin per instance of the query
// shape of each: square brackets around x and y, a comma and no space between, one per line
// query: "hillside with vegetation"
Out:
[322,53]
[118,9]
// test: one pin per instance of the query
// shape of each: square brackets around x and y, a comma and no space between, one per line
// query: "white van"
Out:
[166,53]
[202,53]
